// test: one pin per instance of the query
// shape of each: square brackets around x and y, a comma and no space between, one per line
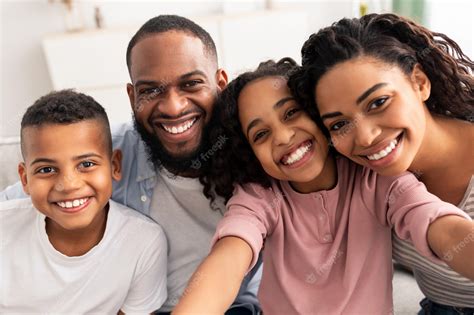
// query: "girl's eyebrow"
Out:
[277,105]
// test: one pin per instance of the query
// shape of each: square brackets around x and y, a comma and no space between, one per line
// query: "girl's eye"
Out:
[259,135]
[377,103]
[46,170]
[87,164]
[338,126]
[291,112]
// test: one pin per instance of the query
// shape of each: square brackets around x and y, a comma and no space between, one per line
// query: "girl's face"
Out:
[288,144]
[374,112]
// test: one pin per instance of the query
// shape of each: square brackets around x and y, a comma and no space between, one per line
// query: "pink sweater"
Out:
[330,252]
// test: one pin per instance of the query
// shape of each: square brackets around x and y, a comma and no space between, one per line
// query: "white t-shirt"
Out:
[125,271]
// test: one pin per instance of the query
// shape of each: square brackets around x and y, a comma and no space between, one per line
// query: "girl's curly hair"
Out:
[395,40]
[234,162]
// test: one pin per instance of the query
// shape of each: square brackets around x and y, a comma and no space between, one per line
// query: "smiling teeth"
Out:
[72,204]
[180,129]
[383,153]
[297,155]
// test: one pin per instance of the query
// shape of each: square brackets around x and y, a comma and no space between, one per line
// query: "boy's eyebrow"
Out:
[277,105]
[369,91]
[42,160]
[87,155]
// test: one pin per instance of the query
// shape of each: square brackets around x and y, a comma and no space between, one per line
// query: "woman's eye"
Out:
[377,103]
[338,126]
[46,170]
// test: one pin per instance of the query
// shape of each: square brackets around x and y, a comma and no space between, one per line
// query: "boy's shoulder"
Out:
[132,220]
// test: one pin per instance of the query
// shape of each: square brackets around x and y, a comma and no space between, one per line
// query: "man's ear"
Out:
[23,177]
[221,79]
[131,95]
[116,165]
[421,82]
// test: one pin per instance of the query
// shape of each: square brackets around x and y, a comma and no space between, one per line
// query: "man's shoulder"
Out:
[124,135]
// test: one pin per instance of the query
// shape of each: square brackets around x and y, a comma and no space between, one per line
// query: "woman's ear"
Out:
[421,82]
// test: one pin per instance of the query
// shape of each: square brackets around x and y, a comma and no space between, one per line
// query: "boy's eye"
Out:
[377,103]
[45,170]
[87,164]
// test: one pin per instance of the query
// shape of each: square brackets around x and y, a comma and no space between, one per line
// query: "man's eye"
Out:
[378,103]
[46,170]
[191,83]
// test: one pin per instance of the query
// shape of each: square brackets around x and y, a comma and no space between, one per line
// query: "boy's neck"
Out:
[77,242]
[326,180]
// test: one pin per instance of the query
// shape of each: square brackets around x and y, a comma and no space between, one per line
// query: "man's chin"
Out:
[182,161]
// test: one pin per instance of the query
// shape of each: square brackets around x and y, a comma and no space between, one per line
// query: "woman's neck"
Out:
[446,156]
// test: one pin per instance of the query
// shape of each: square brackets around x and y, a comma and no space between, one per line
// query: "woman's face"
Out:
[374,112]
[285,140]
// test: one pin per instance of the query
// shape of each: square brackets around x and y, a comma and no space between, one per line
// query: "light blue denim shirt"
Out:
[135,190]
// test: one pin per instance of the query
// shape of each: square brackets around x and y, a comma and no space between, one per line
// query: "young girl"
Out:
[325,222]
[395,97]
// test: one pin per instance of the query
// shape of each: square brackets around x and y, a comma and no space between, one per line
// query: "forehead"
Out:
[348,79]
[60,141]
[259,96]
[168,55]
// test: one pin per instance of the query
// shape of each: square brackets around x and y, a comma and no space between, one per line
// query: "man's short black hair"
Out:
[165,23]
[65,107]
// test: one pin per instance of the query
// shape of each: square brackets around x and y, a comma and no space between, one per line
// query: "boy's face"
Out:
[68,171]
[288,144]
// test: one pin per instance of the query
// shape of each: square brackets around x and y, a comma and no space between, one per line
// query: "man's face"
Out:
[175,83]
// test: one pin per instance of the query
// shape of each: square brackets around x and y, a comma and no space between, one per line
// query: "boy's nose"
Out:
[68,182]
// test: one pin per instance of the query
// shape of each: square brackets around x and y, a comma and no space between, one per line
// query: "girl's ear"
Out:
[421,82]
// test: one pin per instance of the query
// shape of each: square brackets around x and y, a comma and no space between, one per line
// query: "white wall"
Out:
[23,71]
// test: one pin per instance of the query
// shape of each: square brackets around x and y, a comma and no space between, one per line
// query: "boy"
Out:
[79,252]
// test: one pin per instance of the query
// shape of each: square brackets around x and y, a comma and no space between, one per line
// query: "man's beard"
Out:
[189,163]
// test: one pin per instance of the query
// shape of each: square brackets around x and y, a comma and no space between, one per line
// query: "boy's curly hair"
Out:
[235,162]
[395,40]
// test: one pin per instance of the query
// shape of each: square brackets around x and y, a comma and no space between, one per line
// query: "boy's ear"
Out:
[23,177]
[422,83]
[117,165]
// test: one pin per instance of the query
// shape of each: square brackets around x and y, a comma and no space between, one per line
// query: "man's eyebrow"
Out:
[370,91]
[165,83]
[190,74]
[42,160]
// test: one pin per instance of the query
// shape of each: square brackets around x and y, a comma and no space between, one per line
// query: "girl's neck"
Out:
[327,179]
[445,156]
[77,242]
